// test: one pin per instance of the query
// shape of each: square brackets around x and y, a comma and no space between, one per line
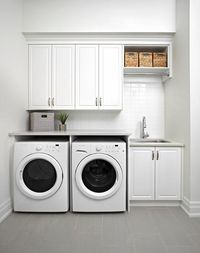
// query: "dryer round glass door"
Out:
[98,176]
[39,176]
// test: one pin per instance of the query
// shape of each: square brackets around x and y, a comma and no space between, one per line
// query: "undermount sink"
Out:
[150,140]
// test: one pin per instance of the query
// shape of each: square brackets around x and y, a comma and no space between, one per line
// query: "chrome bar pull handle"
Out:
[153,155]
[100,102]
[157,155]
[49,101]
[96,101]
[53,101]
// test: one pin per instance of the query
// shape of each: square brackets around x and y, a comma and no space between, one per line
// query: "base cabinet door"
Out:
[142,174]
[155,173]
[110,76]
[168,173]
[39,77]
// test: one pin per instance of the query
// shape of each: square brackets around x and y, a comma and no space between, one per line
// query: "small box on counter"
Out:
[145,59]
[42,121]
[159,59]
[131,59]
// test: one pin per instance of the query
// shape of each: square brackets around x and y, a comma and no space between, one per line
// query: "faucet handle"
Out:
[144,121]
[144,125]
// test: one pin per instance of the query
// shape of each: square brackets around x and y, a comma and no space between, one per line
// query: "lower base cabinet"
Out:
[155,173]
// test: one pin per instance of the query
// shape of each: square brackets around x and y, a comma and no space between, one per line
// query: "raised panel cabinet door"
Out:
[39,76]
[141,181]
[110,77]
[168,173]
[63,73]
[87,77]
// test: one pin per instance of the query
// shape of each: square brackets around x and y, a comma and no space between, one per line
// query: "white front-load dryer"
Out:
[41,176]
[98,175]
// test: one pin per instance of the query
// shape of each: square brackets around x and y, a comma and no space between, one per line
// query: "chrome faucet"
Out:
[144,125]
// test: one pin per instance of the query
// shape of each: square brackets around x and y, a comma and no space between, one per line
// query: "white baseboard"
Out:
[154,203]
[192,208]
[5,210]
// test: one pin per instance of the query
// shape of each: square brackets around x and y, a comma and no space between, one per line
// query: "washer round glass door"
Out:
[98,176]
[39,176]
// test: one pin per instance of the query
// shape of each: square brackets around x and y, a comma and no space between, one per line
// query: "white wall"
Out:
[13,88]
[143,97]
[99,16]
[110,16]
[177,91]
[195,98]
[182,95]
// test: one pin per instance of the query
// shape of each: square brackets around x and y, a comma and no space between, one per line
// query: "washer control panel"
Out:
[93,147]
[110,148]
[48,148]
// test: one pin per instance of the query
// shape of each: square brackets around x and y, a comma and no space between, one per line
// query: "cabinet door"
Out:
[63,73]
[141,181]
[168,174]
[86,77]
[111,62]
[39,76]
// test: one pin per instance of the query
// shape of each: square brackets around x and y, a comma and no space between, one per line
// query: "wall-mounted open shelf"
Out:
[161,71]
[164,72]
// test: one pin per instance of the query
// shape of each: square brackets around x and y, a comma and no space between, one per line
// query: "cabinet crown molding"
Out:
[122,38]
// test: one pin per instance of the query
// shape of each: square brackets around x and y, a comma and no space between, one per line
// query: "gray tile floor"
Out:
[143,230]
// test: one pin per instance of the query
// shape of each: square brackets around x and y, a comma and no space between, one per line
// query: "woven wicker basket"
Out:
[131,59]
[145,59]
[159,59]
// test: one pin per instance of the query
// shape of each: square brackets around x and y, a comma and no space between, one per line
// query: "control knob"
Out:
[98,148]
[38,148]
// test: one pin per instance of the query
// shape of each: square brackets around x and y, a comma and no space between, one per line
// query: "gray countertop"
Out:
[170,143]
[69,132]
[73,133]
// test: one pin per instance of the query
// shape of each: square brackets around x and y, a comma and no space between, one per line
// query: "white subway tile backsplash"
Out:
[142,97]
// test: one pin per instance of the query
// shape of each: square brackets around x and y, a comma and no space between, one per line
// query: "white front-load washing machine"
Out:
[41,176]
[98,175]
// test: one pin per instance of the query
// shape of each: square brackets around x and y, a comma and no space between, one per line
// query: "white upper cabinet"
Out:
[87,77]
[51,77]
[99,70]
[63,76]
[142,174]
[168,174]
[110,76]
[39,76]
